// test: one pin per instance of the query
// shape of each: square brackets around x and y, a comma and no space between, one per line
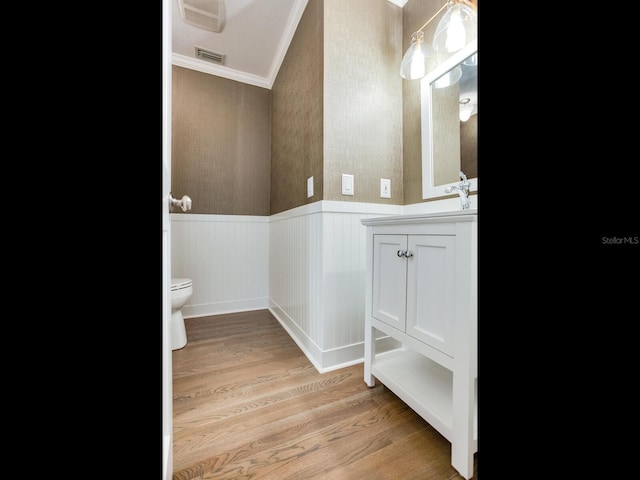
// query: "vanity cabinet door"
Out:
[430,290]
[389,280]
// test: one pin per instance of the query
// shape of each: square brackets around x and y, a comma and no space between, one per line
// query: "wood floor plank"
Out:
[275,413]
[248,404]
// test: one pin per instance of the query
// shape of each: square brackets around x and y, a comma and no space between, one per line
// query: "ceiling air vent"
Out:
[214,57]
[207,14]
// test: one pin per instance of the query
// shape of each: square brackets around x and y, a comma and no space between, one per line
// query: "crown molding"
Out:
[292,24]
[220,71]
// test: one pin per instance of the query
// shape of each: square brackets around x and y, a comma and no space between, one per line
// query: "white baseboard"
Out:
[327,360]
[206,309]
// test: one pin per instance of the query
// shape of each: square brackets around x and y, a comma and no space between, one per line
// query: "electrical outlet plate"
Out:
[347,184]
[309,187]
[385,188]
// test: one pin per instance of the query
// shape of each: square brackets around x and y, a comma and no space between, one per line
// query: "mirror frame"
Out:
[430,191]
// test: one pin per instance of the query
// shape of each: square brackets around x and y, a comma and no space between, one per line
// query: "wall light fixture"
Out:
[457,27]
[466,109]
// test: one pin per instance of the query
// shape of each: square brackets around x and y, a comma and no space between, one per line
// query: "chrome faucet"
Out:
[463,190]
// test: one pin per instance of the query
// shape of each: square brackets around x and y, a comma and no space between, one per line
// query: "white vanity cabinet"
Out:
[422,292]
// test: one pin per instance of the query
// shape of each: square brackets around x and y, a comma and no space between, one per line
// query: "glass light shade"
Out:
[419,59]
[465,111]
[457,27]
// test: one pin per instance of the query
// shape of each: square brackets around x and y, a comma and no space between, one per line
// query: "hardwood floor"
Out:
[248,404]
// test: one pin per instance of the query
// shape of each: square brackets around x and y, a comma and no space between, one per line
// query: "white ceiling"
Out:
[254,40]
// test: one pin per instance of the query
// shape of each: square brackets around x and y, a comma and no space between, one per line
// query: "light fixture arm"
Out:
[466,2]
[434,16]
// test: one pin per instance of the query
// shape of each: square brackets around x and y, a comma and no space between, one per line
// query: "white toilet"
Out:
[181,291]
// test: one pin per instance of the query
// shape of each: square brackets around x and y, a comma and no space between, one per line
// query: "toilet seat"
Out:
[180,283]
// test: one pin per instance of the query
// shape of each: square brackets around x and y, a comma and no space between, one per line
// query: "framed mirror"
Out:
[449,111]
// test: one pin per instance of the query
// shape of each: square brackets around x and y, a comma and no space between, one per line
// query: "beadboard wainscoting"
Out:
[226,257]
[306,265]
[317,278]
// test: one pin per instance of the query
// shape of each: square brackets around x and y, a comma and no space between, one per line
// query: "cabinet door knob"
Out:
[400,253]
[408,254]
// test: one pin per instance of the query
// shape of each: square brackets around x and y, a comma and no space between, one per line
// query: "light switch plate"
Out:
[385,188]
[309,187]
[347,184]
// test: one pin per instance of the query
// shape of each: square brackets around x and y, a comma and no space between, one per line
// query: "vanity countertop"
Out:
[470,214]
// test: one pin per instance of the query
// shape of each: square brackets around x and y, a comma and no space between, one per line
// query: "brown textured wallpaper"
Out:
[221,144]
[414,14]
[469,147]
[337,105]
[296,117]
[362,99]
[446,134]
